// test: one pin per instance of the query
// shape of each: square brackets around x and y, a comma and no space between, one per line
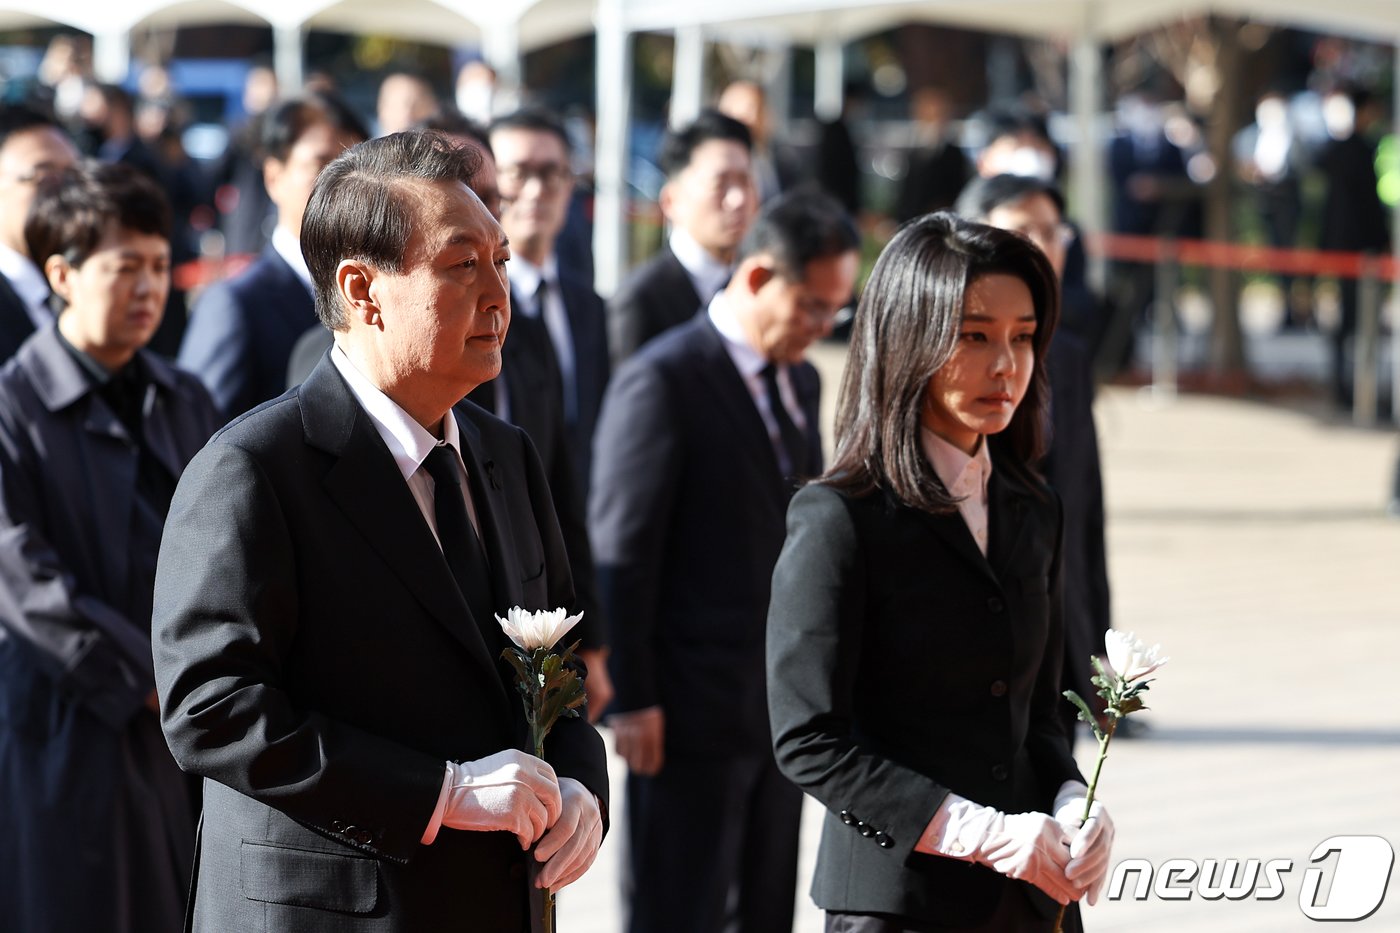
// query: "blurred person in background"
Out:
[709,200]
[94,433]
[1035,209]
[773,170]
[64,74]
[242,331]
[1353,217]
[246,215]
[475,92]
[837,159]
[935,168]
[1269,159]
[404,101]
[706,431]
[33,147]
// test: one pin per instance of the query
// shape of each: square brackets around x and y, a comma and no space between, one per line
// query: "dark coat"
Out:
[902,665]
[933,177]
[317,665]
[1353,217]
[588,326]
[242,331]
[15,323]
[1072,468]
[97,819]
[686,514]
[657,296]
[536,404]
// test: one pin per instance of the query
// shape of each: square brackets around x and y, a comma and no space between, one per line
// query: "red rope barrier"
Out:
[1243,256]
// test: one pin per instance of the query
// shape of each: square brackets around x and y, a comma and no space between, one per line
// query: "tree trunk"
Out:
[1226,356]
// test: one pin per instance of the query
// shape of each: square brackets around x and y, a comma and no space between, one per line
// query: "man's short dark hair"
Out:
[536,119]
[984,195]
[288,121]
[1015,122]
[798,227]
[73,209]
[678,146]
[360,209]
[20,118]
[453,122]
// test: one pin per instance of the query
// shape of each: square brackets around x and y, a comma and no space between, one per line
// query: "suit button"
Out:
[998,688]
[337,826]
[848,818]
[999,772]
[351,831]
[885,842]
[867,831]
[996,605]
[363,837]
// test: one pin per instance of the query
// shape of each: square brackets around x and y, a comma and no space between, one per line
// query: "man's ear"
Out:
[666,199]
[271,171]
[755,273]
[57,270]
[353,281]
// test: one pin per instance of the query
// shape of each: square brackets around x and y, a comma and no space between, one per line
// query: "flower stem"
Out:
[537,740]
[1089,798]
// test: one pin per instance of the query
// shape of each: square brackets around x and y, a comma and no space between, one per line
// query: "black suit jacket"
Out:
[242,331]
[903,665]
[15,324]
[686,514]
[588,326]
[657,296]
[317,665]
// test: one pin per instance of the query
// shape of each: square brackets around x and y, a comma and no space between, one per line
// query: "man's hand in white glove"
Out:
[509,791]
[571,844]
[1031,847]
[1091,842]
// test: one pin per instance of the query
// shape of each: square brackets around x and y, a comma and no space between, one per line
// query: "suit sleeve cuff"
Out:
[435,824]
[957,829]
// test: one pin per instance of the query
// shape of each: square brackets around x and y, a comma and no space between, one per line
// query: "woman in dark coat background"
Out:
[914,634]
[97,820]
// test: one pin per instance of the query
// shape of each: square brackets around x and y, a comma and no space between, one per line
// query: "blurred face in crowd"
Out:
[1026,154]
[115,297]
[1037,219]
[27,158]
[485,182]
[744,101]
[977,390]
[782,318]
[404,101]
[433,332]
[536,182]
[713,198]
[289,183]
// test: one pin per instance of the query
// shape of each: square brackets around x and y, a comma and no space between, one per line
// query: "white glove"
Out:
[1091,841]
[509,791]
[1028,846]
[571,844]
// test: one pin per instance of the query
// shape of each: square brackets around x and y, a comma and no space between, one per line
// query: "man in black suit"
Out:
[324,644]
[32,147]
[703,436]
[532,153]
[709,199]
[242,331]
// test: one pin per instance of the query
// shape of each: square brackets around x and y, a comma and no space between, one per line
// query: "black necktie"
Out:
[460,546]
[794,442]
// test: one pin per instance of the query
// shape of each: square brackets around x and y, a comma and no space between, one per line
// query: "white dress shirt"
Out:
[29,284]
[410,443]
[965,478]
[751,363]
[289,248]
[707,273]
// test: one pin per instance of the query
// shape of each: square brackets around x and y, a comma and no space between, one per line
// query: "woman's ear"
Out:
[353,280]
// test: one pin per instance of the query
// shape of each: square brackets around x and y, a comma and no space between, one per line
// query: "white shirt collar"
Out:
[408,441]
[27,280]
[526,276]
[961,475]
[707,272]
[289,248]
[747,359]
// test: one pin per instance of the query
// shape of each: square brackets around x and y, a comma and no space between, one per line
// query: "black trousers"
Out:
[1014,914]
[712,847]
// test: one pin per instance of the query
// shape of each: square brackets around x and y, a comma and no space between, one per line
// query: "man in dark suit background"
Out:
[702,436]
[709,200]
[241,332]
[536,182]
[32,147]
[324,643]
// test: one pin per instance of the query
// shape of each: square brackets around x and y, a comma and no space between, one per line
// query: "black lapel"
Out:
[15,323]
[1006,521]
[735,407]
[680,289]
[155,414]
[367,486]
[807,385]
[488,488]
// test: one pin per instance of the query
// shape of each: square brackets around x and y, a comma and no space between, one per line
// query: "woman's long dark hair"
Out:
[906,328]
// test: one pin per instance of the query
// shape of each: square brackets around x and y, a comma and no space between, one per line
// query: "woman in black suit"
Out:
[914,634]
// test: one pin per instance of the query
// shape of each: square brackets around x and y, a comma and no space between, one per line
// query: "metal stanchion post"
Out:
[1165,339]
[1366,354]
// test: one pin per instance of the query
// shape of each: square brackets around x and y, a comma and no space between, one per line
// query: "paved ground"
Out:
[1250,542]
